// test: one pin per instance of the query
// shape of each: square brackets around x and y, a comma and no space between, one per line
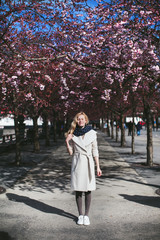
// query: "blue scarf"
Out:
[81,131]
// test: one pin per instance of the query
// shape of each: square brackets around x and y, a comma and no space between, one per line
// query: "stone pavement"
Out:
[138,160]
[38,205]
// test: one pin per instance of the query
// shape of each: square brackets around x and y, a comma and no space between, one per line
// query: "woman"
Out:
[81,141]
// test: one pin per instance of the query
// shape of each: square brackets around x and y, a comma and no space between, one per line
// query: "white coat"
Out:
[83,165]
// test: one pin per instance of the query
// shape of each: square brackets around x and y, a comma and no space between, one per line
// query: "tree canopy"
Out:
[67,56]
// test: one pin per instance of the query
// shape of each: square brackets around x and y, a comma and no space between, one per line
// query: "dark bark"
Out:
[122,131]
[149,137]
[102,125]
[108,128]
[133,133]
[112,130]
[18,149]
[117,130]
[46,130]
[55,130]
[36,137]
[54,126]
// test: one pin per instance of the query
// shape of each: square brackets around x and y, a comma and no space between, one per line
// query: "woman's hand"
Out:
[99,172]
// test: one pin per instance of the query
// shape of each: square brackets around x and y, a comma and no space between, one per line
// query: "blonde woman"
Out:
[81,141]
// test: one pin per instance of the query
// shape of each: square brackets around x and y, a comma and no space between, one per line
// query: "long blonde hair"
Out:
[75,121]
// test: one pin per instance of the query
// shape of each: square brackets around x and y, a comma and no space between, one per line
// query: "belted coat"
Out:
[83,165]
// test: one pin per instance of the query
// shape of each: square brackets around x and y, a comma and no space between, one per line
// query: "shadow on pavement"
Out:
[5,236]
[53,173]
[149,200]
[39,205]
[116,177]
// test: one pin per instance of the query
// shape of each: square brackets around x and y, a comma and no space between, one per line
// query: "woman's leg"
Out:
[87,202]
[79,202]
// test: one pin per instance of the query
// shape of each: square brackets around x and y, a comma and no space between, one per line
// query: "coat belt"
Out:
[88,155]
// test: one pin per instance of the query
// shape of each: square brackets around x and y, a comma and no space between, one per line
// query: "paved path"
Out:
[40,206]
[138,160]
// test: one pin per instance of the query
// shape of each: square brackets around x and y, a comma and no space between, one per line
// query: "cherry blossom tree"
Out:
[79,57]
[131,31]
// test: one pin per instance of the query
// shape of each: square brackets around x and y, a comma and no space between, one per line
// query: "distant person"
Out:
[105,127]
[130,125]
[139,127]
[81,142]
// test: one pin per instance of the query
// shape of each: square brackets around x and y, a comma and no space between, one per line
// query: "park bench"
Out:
[9,140]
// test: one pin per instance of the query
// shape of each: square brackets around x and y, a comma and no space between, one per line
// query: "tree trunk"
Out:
[47,134]
[46,130]
[36,138]
[149,138]
[122,131]
[108,128]
[117,130]
[67,124]
[112,130]
[54,126]
[133,133]
[54,130]
[18,149]
[102,124]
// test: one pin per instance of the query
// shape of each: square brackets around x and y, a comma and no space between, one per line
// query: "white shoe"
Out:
[80,220]
[86,221]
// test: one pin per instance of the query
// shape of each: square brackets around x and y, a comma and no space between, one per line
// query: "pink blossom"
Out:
[138,79]
[123,22]
[29,96]
[130,43]
[14,77]
[148,12]
[63,97]
[125,98]
[134,87]
[47,77]
[14,83]
[4,90]
[139,68]
[156,68]
[42,87]
[19,72]
[139,51]
[103,97]
[142,12]
[1,61]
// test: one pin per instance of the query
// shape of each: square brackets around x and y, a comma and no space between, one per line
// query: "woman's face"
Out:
[81,121]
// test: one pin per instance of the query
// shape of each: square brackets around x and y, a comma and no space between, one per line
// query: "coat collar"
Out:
[88,138]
